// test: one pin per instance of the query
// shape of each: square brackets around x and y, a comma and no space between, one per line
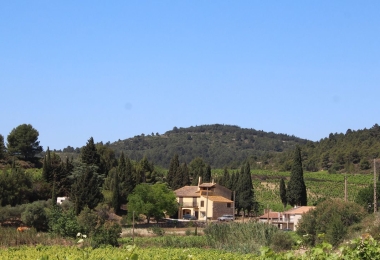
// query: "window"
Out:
[228,205]
[202,203]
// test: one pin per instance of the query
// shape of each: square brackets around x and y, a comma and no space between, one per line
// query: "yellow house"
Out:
[206,199]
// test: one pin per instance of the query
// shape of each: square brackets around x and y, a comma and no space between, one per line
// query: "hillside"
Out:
[219,145]
[351,152]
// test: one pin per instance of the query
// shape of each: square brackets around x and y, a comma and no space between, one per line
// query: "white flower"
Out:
[79,234]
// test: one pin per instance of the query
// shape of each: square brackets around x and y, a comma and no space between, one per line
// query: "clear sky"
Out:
[116,69]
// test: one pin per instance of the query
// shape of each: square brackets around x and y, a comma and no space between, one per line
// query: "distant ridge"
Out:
[219,145]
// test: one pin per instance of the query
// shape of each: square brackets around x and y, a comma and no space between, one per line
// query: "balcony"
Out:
[189,205]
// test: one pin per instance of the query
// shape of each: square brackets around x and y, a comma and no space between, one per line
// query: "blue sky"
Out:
[116,69]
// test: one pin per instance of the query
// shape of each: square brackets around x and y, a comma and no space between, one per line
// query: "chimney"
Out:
[199,181]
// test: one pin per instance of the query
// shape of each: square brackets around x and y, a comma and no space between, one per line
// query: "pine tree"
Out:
[2,147]
[89,153]
[283,193]
[296,192]
[244,192]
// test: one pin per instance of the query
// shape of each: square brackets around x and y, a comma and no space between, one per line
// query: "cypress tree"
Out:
[207,174]
[174,165]
[244,192]
[46,169]
[296,193]
[126,178]
[178,179]
[115,193]
[185,175]
[283,192]
[54,193]
[85,191]
[225,180]
[129,179]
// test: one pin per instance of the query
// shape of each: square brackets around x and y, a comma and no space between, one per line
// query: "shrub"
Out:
[107,234]
[282,241]
[157,231]
[88,220]
[35,216]
[63,223]
[331,217]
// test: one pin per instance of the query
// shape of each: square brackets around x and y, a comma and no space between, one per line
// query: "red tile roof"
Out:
[219,199]
[299,210]
[187,191]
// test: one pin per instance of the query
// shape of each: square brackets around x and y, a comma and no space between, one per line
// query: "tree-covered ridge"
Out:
[351,152]
[219,145]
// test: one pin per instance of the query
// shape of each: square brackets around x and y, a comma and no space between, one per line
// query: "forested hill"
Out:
[219,145]
[353,151]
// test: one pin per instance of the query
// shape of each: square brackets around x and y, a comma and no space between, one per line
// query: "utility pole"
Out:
[345,187]
[233,208]
[374,187]
[206,205]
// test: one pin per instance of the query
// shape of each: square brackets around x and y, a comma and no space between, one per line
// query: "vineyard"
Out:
[362,248]
[320,185]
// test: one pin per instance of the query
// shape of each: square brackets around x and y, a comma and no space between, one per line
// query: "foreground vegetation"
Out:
[362,249]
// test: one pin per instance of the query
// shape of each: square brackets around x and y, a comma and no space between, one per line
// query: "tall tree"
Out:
[296,192]
[116,193]
[89,153]
[185,175]
[283,197]
[226,178]
[85,190]
[144,200]
[244,192]
[127,183]
[207,174]
[196,169]
[174,165]
[22,141]
[2,147]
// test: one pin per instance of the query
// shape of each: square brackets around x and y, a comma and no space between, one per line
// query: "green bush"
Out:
[88,220]
[157,231]
[63,223]
[35,215]
[107,234]
[331,217]
[282,241]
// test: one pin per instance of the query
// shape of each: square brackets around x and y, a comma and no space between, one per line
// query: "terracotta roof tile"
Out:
[219,199]
[271,215]
[187,191]
[207,185]
[300,210]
